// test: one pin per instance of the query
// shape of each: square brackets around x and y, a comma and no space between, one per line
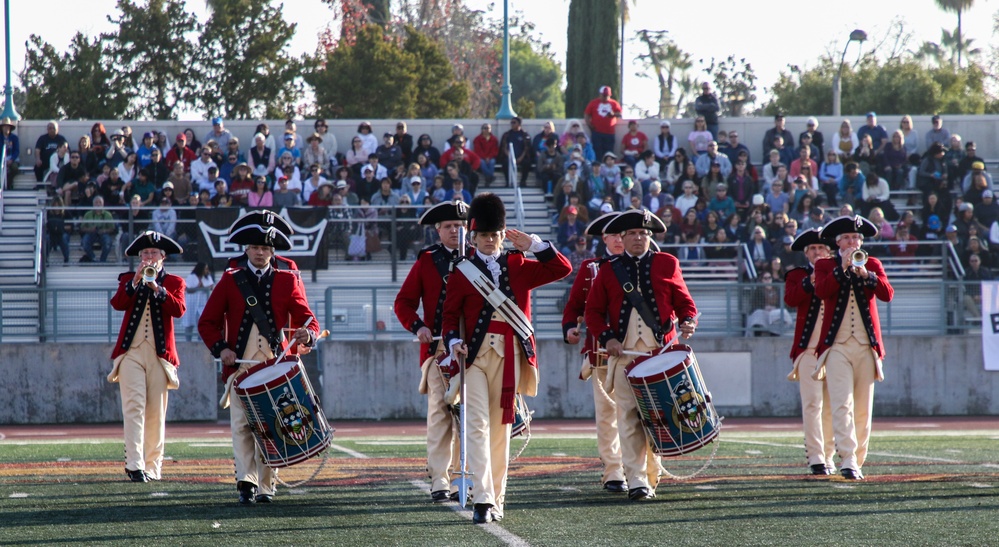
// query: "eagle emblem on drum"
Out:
[689,411]
[293,422]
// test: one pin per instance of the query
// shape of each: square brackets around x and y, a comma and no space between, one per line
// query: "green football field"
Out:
[923,488]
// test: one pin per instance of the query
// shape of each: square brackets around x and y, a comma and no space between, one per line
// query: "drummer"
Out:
[426,284]
[799,294]
[234,330]
[595,364]
[634,303]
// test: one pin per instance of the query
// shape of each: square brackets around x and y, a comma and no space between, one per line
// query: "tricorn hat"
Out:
[264,219]
[254,234]
[810,237]
[596,228]
[634,220]
[444,212]
[153,240]
[848,225]
[487,213]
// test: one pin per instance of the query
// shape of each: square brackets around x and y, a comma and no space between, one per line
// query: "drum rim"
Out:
[294,369]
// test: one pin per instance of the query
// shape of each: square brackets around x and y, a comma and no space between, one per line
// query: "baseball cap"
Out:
[787,240]
[282,179]
[181,137]
[458,126]
[149,135]
[571,210]
[117,133]
[605,90]
[217,120]
[935,117]
[933,222]
[664,123]
[872,114]
[757,199]
[978,165]
[581,240]
[413,180]
[387,135]
[289,137]
[168,185]
[606,208]
[987,193]
[341,184]
[951,229]
[966,207]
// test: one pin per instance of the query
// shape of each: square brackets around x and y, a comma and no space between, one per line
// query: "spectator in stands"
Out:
[118,152]
[768,317]
[845,141]
[977,184]
[312,183]
[232,150]
[91,163]
[162,141]
[601,115]
[156,169]
[520,140]
[199,168]
[950,233]
[241,185]
[144,151]
[356,157]
[865,156]
[457,190]
[851,186]
[778,130]
[977,247]
[192,142]
[688,199]
[288,166]
[894,161]
[222,197]
[712,223]
[675,170]
[329,144]
[260,196]
[164,219]
[721,248]
[467,162]
[710,157]
[876,193]
[67,181]
[143,187]
[789,258]
[425,147]
[974,272]
[99,140]
[877,218]
[129,168]
[987,211]
[769,169]
[389,154]
[710,181]
[699,139]
[219,133]
[369,143]
[966,223]
[569,230]
[707,106]
[760,250]
[804,183]
[691,253]
[802,209]
[87,194]
[906,246]
[374,165]
[168,192]
[777,199]
[816,219]
[877,133]
[323,196]
[953,157]
[584,147]
[932,205]
[665,145]
[937,133]
[181,181]
[932,174]
[775,268]
[227,167]
[647,170]
[690,224]
[970,158]
[97,227]
[550,165]
[56,162]
[413,188]
[568,137]
[804,159]
[975,177]
[57,230]
[818,140]
[261,157]
[734,148]
[786,154]
[315,154]
[180,153]
[814,152]
[633,143]
[290,148]
[721,203]
[284,196]
[486,147]
[910,137]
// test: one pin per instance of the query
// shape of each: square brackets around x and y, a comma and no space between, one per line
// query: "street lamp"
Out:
[9,115]
[506,91]
[856,36]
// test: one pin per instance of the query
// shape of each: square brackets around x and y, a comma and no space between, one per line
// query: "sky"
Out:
[769,34]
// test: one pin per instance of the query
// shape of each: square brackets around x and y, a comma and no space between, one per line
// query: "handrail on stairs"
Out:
[518,199]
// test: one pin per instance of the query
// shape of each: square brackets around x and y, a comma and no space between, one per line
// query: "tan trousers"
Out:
[250,466]
[488,450]
[850,372]
[143,385]
[442,432]
[641,464]
[816,413]
[605,415]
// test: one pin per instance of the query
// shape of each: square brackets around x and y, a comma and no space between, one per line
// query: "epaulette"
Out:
[431,249]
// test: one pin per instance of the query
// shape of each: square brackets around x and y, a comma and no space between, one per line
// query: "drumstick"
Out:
[434,339]
[678,333]
[579,323]
[603,351]
[242,361]
[288,347]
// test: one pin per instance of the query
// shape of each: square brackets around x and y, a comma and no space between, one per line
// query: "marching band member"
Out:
[499,354]
[799,293]
[426,284]
[850,350]
[243,320]
[595,365]
[633,305]
[145,356]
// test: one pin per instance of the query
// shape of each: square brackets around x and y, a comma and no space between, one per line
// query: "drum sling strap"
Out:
[253,305]
[635,298]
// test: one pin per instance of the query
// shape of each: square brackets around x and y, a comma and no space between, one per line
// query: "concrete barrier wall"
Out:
[65,383]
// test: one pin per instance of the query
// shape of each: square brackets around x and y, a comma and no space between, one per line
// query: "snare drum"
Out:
[284,413]
[675,407]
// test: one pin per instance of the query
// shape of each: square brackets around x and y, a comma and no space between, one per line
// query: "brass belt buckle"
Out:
[251,300]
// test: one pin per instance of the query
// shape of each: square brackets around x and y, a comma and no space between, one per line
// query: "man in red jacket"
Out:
[231,331]
[426,284]
[486,145]
[619,325]
[145,355]
[500,359]
[850,349]
[180,152]
[595,364]
[799,294]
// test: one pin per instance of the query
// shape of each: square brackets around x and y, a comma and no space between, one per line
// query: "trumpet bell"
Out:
[149,274]
[858,258]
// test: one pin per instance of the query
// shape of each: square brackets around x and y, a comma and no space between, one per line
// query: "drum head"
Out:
[267,374]
[657,364]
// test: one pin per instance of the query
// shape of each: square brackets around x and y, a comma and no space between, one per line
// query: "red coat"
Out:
[520,275]
[166,304]
[425,284]
[471,158]
[832,286]
[799,294]
[576,306]
[487,149]
[186,156]
[226,323]
[607,299]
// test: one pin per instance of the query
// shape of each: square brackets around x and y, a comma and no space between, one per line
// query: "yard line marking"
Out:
[578,428]
[159,494]
[347,430]
[904,426]
[63,460]
[18,495]
[499,532]
[778,426]
[995,465]
[979,485]
[953,451]
[559,454]
[390,443]
[912,457]
[495,529]
[40,434]
[209,445]
[754,452]
[705,487]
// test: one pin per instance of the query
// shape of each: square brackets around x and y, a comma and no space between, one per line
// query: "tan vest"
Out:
[257,347]
[494,342]
[852,325]
[144,331]
[813,342]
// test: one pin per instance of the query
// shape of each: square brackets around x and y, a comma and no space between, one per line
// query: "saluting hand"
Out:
[521,241]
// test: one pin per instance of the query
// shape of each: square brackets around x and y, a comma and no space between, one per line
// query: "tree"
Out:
[243,66]
[947,53]
[591,54]
[74,84]
[735,84]
[671,67]
[537,78]
[154,55]
[439,93]
[958,7]
[374,77]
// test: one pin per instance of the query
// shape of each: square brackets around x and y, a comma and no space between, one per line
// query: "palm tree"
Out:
[958,7]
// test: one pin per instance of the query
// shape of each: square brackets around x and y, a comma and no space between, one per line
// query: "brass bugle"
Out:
[149,274]
[858,258]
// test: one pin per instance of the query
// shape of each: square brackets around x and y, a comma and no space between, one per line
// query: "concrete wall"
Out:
[65,383]
[982,129]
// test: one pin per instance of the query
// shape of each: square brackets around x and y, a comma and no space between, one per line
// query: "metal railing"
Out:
[39,256]
[3,178]
[515,181]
